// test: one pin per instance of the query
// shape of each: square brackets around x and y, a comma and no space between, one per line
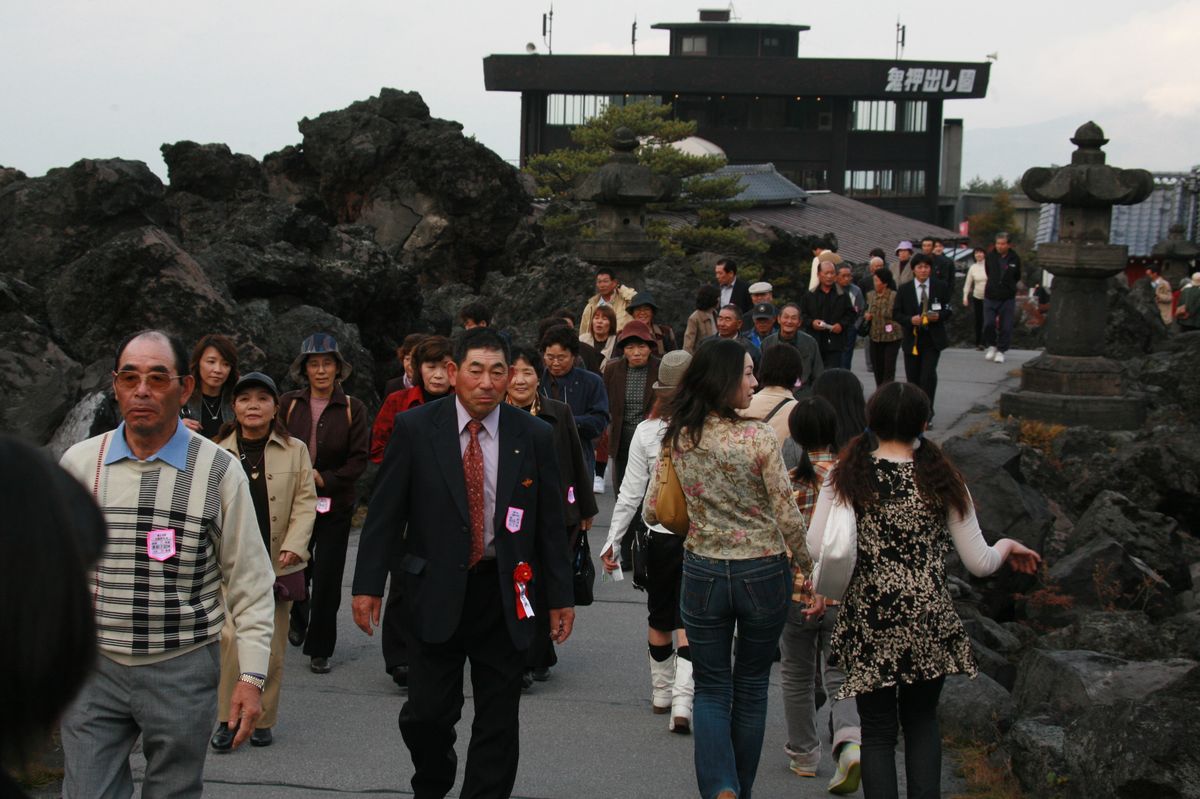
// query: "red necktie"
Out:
[473,472]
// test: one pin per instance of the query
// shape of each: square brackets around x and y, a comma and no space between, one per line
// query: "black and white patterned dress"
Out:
[898,623]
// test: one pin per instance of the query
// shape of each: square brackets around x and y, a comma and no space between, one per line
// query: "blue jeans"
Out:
[730,711]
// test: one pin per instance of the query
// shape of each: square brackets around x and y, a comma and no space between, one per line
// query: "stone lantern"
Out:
[1072,382]
[621,189]
[1176,254]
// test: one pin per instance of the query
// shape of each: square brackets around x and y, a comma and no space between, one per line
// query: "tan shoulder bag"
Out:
[671,505]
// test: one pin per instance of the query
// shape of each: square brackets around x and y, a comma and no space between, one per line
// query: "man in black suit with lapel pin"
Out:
[928,295]
[469,495]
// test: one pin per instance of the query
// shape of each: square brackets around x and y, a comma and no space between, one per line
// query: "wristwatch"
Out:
[253,679]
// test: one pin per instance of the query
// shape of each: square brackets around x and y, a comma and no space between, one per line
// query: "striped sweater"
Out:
[148,609]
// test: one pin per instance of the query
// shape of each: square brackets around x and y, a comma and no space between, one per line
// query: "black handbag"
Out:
[640,553]
[584,571]
[864,328]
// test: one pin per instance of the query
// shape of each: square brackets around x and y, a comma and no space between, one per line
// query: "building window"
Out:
[873,115]
[771,45]
[576,109]
[885,183]
[694,45]
[916,115]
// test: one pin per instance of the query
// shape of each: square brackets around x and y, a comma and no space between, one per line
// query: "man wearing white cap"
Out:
[760,292]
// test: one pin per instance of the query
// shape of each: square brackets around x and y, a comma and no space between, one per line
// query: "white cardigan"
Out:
[977,555]
[643,454]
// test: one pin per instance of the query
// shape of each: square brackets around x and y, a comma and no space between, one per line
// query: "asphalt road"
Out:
[588,732]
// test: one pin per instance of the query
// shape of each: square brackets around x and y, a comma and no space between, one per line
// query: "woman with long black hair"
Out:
[898,636]
[842,389]
[742,522]
[214,366]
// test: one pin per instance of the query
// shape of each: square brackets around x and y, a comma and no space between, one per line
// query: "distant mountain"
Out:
[1138,139]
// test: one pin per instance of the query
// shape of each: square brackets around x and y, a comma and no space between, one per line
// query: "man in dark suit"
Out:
[733,291]
[922,308]
[469,494]
[943,267]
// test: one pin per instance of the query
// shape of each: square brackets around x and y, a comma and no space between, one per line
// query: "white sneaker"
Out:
[990,355]
[999,357]
[598,485]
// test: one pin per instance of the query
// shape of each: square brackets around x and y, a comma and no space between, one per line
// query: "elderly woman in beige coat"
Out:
[285,500]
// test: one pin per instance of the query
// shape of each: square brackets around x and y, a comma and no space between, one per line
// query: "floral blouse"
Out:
[738,494]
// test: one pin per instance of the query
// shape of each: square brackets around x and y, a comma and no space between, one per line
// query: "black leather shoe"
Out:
[527,680]
[222,739]
[296,636]
[261,737]
[400,675]
[319,665]
[541,674]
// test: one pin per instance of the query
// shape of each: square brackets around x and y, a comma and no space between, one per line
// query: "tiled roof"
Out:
[762,185]
[1140,227]
[859,227]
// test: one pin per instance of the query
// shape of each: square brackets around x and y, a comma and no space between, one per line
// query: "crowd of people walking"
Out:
[229,507]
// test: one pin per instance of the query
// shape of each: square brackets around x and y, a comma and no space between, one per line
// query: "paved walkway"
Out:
[588,732]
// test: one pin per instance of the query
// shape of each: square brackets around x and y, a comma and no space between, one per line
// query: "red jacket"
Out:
[381,431]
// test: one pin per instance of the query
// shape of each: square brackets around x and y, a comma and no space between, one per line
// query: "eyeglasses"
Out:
[549,358]
[157,381]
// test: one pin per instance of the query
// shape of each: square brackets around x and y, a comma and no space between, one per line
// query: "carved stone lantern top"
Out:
[1175,245]
[1088,182]
[622,180]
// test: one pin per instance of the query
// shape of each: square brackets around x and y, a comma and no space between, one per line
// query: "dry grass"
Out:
[984,779]
[1040,435]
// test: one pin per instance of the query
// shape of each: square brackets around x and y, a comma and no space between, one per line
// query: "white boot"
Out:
[661,676]
[681,698]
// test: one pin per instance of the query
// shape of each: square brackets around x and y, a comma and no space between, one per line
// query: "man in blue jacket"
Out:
[565,380]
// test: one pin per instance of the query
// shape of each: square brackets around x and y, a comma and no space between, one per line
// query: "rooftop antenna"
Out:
[733,15]
[548,30]
[633,36]
[901,30]
[994,56]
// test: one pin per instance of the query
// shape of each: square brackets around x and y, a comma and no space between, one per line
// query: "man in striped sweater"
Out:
[183,546]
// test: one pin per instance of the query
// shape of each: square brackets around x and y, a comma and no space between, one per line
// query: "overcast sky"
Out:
[81,78]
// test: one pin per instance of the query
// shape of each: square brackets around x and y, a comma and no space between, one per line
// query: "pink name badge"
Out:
[887,328]
[324,504]
[160,544]
[571,494]
[512,522]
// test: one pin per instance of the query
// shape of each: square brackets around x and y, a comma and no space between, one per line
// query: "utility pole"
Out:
[901,30]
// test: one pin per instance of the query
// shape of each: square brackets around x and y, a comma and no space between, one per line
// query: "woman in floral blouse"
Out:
[736,568]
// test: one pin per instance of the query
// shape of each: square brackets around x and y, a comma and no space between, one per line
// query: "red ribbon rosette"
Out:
[522,574]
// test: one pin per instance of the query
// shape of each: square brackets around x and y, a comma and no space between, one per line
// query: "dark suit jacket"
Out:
[943,270]
[740,296]
[906,306]
[578,500]
[421,486]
